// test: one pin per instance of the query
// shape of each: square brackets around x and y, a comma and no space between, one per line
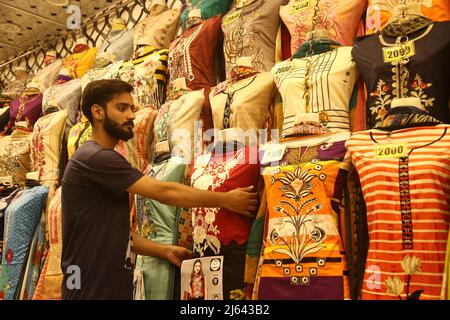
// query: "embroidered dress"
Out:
[78,63]
[26,108]
[316,91]
[15,155]
[65,96]
[159,223]
[52,277]
[46,146]
[148,75]
[407,199]
[158,29]
[421,72]
[118,45]
[244,104]
[218,231]
[192,55]
[340,17]
[303,256]
[379,12]
[250,29]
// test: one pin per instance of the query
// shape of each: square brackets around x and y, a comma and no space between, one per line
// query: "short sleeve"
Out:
[112,171]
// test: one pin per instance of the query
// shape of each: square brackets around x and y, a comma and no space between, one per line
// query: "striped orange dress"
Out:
[407,198]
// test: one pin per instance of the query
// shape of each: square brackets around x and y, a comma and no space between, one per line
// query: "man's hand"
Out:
[242,200]
[176,255]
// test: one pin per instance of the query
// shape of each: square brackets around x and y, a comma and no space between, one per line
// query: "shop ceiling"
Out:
[27,23]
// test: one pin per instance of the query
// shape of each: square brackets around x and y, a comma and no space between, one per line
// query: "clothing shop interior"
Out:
[336,111]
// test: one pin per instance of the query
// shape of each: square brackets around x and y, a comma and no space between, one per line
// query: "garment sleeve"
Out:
[112,171]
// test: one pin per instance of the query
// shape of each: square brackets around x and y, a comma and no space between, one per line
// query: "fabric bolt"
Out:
[139,150]
[26,108]
[423,75]
[78,63]
[46,146]
[158,29]
[251,29]
[65,96]
[217,227]
[192,55]
[22,218]
[340,17]
[46,76]
[245,104]
[303,255]
[159,223]
[208,9]
[15,158]
[407,200]
[316,91]
[379,12]
[119,46]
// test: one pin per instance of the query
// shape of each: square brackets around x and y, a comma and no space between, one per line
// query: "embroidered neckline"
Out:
[426,32]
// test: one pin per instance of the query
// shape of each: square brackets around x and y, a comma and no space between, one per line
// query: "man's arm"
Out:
[240,200]
[173,254]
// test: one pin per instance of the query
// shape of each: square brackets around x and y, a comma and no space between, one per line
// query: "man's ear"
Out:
[98,112]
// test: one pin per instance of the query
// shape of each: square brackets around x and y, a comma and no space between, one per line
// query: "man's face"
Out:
[119,116]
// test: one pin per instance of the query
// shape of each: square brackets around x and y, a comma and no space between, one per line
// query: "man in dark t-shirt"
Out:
[95,202]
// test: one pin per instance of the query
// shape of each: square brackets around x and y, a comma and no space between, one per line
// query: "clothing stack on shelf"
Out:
[337,112]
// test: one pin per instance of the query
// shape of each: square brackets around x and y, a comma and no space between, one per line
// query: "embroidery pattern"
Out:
[242,37]
[180,62]
[405,204]
[203,219]
[395,286]
[324,19]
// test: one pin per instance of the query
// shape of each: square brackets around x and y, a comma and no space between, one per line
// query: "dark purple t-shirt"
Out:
[96,223]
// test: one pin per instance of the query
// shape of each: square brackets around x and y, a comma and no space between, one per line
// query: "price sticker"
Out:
[399,52]
[232,17]
[273,152]
[298,6]
[391,150]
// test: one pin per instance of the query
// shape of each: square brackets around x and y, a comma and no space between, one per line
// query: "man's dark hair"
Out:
[101,92]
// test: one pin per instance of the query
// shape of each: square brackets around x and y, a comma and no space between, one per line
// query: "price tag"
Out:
[273,152]
[298,6]
[283,68]
[232,17]
[399,52]
[202,160]
[196,13]
[391,150]
[220,87]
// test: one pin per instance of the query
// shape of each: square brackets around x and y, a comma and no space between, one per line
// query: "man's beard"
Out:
[116,131]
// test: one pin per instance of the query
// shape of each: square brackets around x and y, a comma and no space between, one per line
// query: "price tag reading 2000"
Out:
[391,150]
